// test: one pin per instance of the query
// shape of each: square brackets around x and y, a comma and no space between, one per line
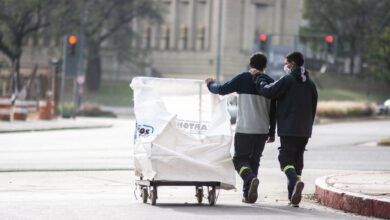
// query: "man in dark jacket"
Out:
[255,124]
[296,100]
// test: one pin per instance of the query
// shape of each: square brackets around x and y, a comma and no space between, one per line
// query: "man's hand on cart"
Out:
[209,80]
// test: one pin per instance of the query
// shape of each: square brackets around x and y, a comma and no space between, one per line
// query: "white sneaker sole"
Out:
[297,193]
[252,193]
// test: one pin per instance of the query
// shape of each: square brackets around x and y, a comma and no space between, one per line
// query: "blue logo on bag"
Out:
[144,130]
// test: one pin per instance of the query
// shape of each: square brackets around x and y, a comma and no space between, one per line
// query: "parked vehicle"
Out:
[384,109]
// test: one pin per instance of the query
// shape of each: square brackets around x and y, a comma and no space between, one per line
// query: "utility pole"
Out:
[219,38]
[80,78]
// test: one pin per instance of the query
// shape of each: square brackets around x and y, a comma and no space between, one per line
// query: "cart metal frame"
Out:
[149,189]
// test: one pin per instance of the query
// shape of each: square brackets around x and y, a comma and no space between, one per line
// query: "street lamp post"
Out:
[219,37]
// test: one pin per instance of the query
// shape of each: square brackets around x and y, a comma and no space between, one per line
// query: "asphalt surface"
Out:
[87,174]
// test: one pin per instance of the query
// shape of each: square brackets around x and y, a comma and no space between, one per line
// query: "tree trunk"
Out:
[16,81]
[94,69]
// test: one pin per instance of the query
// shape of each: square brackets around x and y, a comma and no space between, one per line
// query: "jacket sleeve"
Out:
[314,102]
[272,118]
[224,89]
[271,90]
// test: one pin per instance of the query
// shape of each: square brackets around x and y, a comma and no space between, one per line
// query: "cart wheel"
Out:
[153,195]
[144,194]
[212,196]
[199,194]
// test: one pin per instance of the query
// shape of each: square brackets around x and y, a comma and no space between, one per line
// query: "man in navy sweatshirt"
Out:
[255,124]
[296,98]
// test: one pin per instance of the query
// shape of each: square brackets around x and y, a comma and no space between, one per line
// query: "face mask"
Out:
[286,69]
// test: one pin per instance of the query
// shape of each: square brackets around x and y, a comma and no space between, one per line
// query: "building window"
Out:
[165,37]
[147,37]
[201,36]
[165,29]
[202,15]
[184,37]
[183,22]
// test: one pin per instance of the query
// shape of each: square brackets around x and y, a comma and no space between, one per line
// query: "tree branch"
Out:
[113,29]
[38,24]
[98,25]
[5,49]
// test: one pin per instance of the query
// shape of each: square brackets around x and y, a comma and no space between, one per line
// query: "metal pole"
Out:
[63,77]
[80,63]
[219,37]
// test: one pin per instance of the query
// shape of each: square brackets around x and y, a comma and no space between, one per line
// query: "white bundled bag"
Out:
[183,132]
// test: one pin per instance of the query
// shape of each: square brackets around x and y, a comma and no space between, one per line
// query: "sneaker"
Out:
[252,193]
[293,205]
[245,200]
[297,193]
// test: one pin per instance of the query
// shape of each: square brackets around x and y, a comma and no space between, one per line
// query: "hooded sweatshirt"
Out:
[296,100]
[256,114]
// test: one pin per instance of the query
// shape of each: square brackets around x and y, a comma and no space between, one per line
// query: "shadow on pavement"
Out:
[250,210]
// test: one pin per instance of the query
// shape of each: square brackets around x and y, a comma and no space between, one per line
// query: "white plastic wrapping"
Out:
[183,132]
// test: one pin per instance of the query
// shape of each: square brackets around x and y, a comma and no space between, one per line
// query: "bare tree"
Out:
[103,21]
[18,21]
[356,22]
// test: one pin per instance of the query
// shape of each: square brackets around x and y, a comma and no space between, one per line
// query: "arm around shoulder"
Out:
[271,90]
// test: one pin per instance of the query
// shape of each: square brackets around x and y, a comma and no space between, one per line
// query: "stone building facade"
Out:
[184,44]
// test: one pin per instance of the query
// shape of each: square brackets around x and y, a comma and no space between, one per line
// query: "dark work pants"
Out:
[248,149]
[291,158]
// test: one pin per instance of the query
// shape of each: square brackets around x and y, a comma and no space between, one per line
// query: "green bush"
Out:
[68,107]
[384,142]
[94,110]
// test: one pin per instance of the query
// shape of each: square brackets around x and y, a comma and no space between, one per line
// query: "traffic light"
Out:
[72,40]
[330,43]
[263,42]
[71,55]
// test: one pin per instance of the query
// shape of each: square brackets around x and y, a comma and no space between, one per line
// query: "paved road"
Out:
[85,174]
[343,146]
[91,149]
[110,195]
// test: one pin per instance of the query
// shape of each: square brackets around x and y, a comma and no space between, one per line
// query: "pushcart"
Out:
[149,190]
[181,120]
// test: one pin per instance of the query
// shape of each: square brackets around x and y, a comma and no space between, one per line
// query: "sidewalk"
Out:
[364,193]
[58,124]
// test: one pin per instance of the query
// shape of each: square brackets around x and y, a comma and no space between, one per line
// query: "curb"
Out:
[350,202]
[54,129]
[11,127]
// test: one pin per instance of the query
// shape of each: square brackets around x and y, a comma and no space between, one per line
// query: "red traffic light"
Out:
[72,40]
[263,37]
[329,39]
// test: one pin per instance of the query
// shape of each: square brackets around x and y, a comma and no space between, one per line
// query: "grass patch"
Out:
[384,142]
[111,93]
[330,88]
[343,109]
[339,94]
[351,88]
